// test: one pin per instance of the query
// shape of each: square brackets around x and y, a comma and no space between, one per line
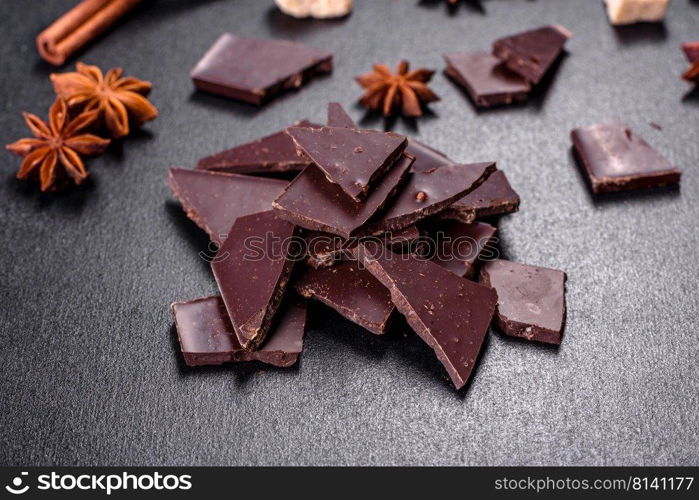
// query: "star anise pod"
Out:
[692,74]
[119,100]
[55,149]
[406,90]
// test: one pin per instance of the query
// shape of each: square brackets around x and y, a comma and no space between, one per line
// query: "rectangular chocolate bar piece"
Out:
[532,52]
[486,79]
[351,291]
[270,154]
[310,201]
[494,197]
[214,200]
[531,300]
[451,314]
[616,159]
[206,334]
[252,269]
[254,70]
[353,159]
[428,193]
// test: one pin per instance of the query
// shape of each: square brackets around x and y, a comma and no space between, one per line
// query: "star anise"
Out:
[119,100]
[55,149]
[406,90]
[692,74]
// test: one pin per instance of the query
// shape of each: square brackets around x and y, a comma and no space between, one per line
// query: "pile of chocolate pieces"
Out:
[373,225]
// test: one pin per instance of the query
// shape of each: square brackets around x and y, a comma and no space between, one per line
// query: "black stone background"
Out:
[89,368]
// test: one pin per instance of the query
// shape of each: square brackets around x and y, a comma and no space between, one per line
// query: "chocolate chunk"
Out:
[532,53]
[449,313]
[254,70]
[494,197]
[691,51]
[616,159]
[531,300]
[214,200]
[351,291]
[428,193]
[273,153]
[206,334]
[338,117]
[459,246]
[327,249]
[310,201]
[426,158]
[252,269]
[351,158]
[486,79]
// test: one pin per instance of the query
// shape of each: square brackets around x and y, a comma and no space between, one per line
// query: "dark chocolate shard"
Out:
[351,291]
[486,79]
[325,249]
[270,154]
[428,193]
[207,337]
[338,117]
[351,158]
[252,269]
[214,200]
[426,157]
[254,70]
[451,314]
[310,201]
[494,197]
[616,159]
[531,300]
[532,52]
[459,246]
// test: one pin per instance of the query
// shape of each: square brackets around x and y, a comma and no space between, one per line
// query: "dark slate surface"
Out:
[89,369]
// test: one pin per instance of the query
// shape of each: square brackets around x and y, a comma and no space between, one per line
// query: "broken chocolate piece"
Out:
[636,11]
[459,246]
[206,334]
[254,70]
[351,158]
[494,197]
[310,201]
[252,269]
[451,314]
[486,79]
[338,117]
[351,291]
[327,249]
[533,52]
[428,193]
[214,200]
[616,159]
[531,300]
[426,158]
[271,154]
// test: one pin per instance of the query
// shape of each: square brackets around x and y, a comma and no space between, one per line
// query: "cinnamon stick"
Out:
[78,27]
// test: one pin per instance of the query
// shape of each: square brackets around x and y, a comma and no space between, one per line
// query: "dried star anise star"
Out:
[406,90]
[57,144]
[119,100]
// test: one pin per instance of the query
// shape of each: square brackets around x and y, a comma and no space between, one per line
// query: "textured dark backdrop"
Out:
[89,369]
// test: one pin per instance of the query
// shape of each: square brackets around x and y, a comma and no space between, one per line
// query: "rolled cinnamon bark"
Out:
[79,26]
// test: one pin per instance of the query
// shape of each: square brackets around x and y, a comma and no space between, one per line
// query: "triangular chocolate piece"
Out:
[214,200]
[494,197]
[252,269]
[451,314]
[269,154]
[426,157]
[353,159]
[428,193]
[206,334]
[532,52]
[338,117]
